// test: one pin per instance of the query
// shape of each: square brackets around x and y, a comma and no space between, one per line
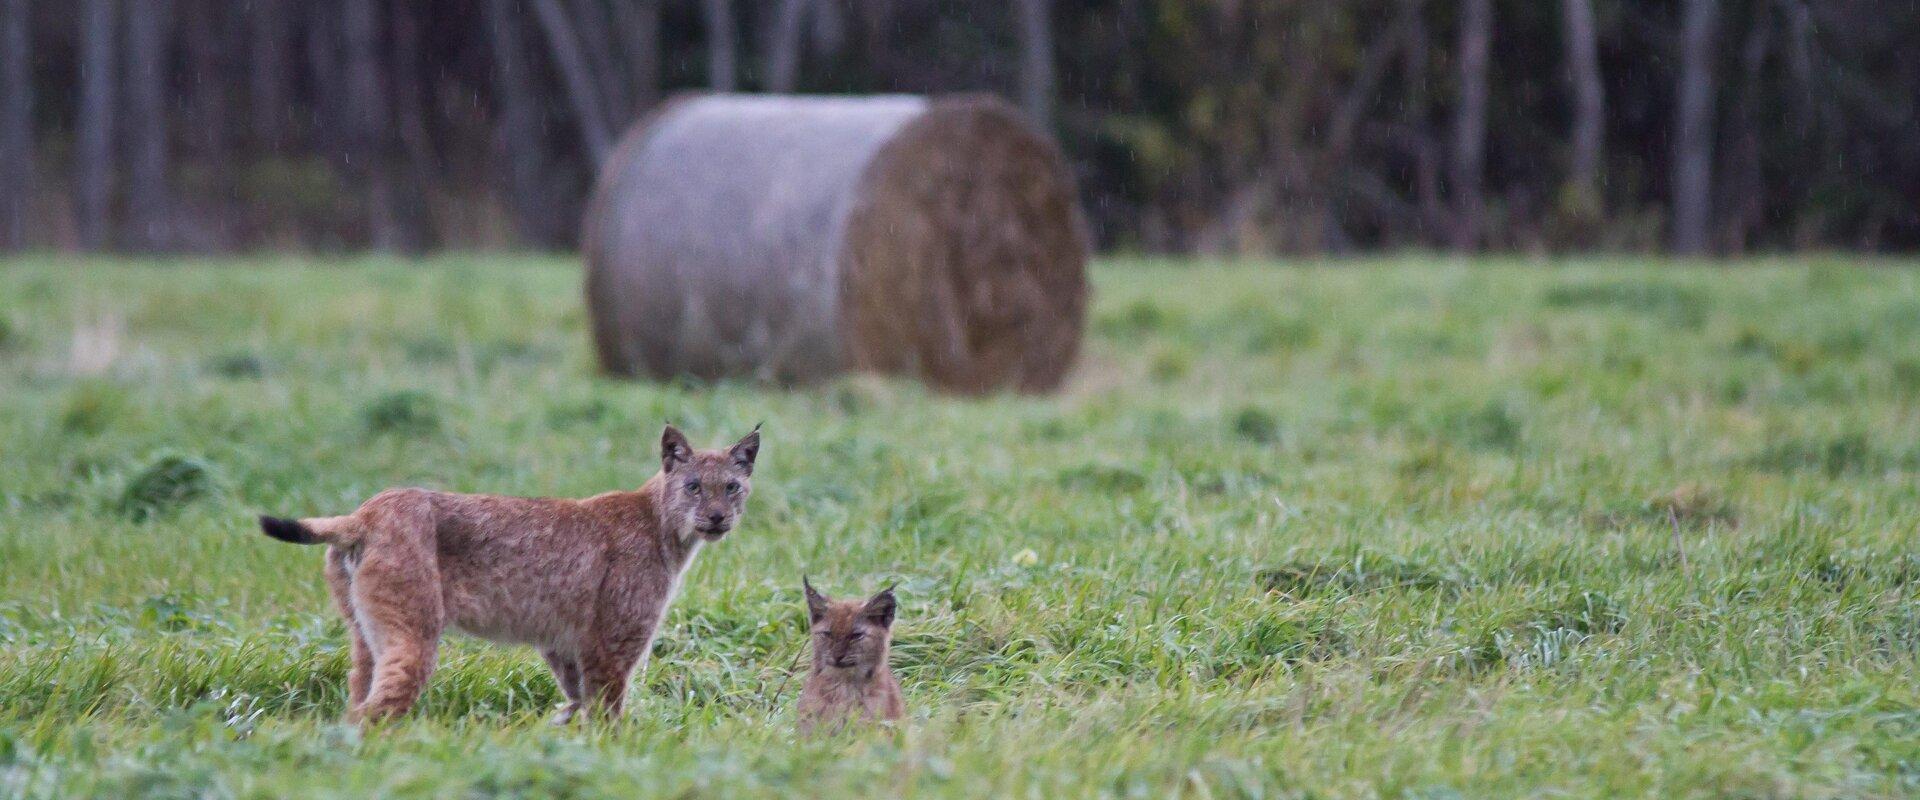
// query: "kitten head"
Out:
[850,636]
[704,491]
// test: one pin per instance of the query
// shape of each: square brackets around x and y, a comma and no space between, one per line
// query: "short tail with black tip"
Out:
[318,530]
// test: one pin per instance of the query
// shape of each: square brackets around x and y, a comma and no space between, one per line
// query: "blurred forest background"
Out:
[1215,126]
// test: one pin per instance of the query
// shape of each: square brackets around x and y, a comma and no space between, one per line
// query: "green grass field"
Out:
[1392,529]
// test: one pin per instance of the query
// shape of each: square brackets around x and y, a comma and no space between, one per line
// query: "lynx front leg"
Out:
[566,672]
[604,679]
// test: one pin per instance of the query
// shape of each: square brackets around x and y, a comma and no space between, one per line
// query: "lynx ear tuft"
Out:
[746,450]
[879,609]
[816,602]
[674,449]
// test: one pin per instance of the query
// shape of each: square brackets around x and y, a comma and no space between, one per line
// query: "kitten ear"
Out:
[879,609]
[674,449]
[816,602]
[746,450]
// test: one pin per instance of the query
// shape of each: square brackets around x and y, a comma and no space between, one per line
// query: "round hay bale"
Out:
[790,238]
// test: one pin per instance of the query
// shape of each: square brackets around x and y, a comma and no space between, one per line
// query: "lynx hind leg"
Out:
[340,585]
[402,619]
[397,600]
[566,672]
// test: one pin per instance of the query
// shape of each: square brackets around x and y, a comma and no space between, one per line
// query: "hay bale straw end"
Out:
[792,238]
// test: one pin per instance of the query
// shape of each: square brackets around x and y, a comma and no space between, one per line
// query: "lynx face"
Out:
[706,490]
[850,635]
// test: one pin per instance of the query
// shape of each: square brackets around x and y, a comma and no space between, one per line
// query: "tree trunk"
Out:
[16,123]
[1693,129]
[1744,192]
[329,117]
[1799,51]
[1375,61]
[1817,118]
[210,42]
[211,39]
[1036,60]
[148,29]
[267,73]
[721,48]
[639,24]
[1583,196]
[1336,169]
[783,49]
[519,143]
[1422,146]
[1470,124]
[564,42]
[827,35]
[93,147]
[415,158]
[596,39]
[369,132]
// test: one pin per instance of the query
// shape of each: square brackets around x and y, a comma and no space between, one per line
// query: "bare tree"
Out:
[267,71]
[369,134]
[829,29]
[1321,126]
[410,124]
[1589,107]
[16,122]
[214,39]
[1800,64]
[518,125]
[149,227]
[211,37]
[639,28]
[1470,124]
[1693,128]
[409,96]
[596,39]
[1414,133]
[577,75]
[93,147]
[783,49]
[1036,59]
[1376,60]
[722,51]
[1743,195]
[322,36]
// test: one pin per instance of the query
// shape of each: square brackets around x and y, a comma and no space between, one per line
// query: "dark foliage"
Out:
[1244,127]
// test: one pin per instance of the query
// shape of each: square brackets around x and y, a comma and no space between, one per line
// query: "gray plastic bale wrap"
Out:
[792,238]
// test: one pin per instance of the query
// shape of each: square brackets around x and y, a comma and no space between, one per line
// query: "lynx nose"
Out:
[715,518]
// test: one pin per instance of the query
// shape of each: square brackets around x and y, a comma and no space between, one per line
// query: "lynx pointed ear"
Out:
[746,450]
[879,609]
[816,602]
[674,449]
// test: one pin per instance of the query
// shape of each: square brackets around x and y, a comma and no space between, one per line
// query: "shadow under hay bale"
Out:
[791,238]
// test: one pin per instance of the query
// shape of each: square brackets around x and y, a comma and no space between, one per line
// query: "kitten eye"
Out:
[733,487]
[693,487]
[856,636]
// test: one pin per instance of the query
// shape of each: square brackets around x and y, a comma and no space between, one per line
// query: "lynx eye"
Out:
[733,487]
[856,636]
[693,487]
